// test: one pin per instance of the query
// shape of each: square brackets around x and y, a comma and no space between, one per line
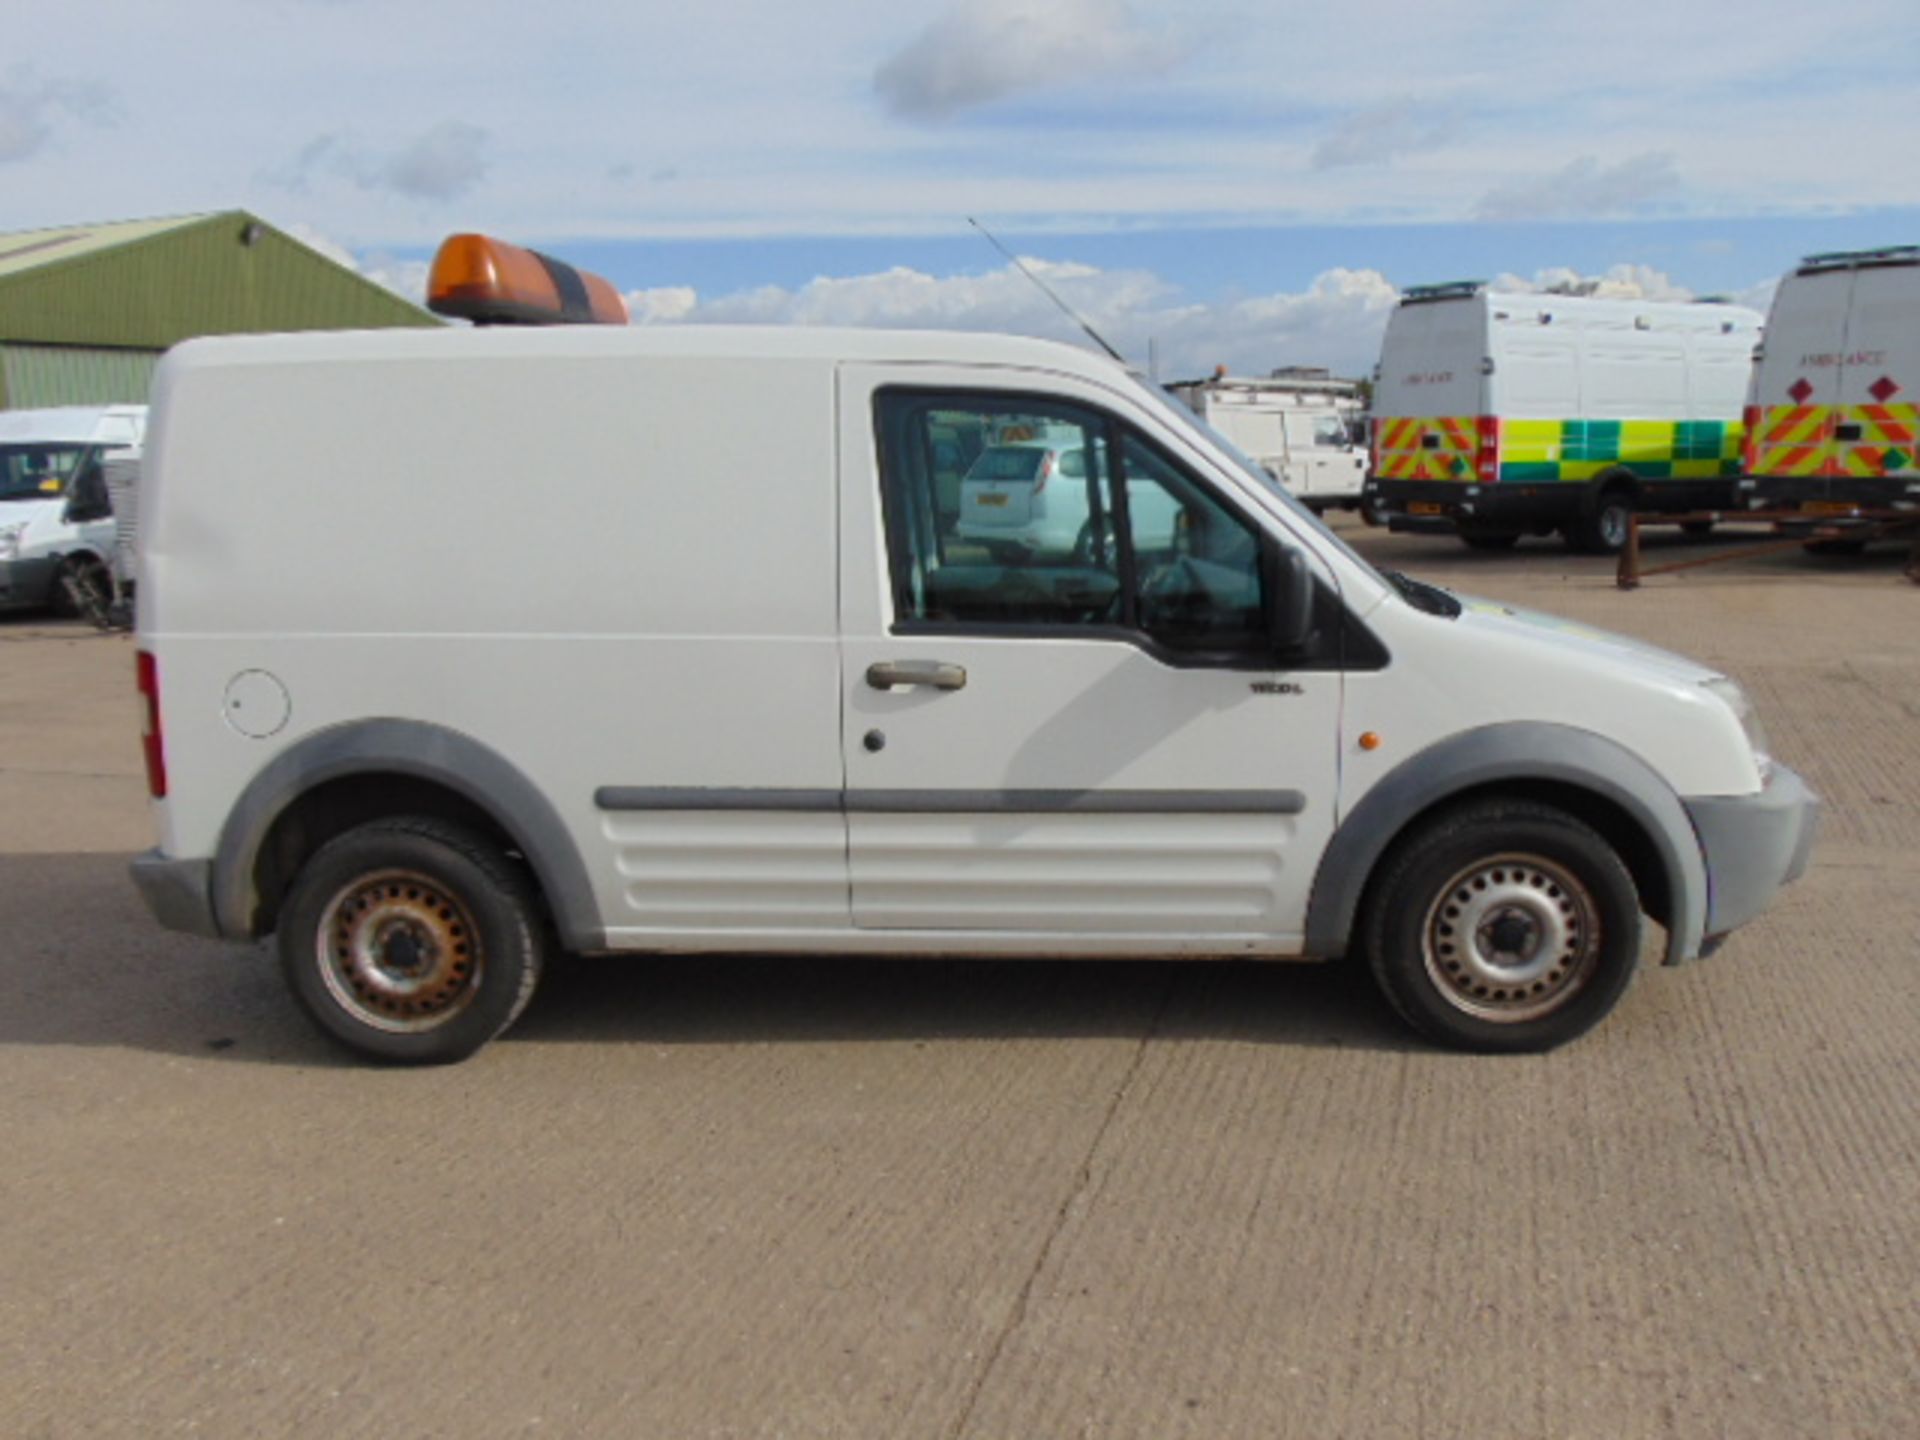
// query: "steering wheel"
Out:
[1174,596]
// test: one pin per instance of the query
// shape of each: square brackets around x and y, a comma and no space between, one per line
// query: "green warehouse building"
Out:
[86,310]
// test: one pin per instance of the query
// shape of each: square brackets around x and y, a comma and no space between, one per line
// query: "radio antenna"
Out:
[1047,291]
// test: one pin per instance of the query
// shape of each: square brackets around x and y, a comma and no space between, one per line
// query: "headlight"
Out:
[10,539]
[1743,711]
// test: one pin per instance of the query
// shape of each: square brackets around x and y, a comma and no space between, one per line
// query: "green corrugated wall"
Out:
[201,279]
[35,376]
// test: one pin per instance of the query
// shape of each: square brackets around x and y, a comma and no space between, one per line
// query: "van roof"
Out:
[690,342]
[1860,259]
[62,422]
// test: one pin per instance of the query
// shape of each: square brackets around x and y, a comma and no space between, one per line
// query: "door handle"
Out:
[885,674]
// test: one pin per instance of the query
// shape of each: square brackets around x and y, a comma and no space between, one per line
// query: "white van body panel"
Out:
[1431,361]
[415,593]
[575,551]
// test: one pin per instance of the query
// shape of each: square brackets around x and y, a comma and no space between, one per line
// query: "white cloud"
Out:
[1619,282]
[405,278]
[1631,282]
[980,51]
[30,108]
[1583,187]
[441,163]
[1383,132]
[1336,321]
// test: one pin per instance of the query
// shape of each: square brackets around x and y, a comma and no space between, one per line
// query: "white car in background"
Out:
[1028,500]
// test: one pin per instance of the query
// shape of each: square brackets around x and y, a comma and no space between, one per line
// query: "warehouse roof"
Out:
[30,249]
[148,284]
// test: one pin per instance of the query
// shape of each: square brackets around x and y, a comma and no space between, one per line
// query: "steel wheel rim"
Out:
[1613,524]
[399,952]
[1511,938]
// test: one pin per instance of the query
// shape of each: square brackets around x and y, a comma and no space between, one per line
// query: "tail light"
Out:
[1750,442]
[1046,469]
[148,679]
[1486,463]
[1374,430]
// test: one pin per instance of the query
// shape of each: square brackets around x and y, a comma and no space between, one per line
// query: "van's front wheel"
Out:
[1504,926]
[411,940]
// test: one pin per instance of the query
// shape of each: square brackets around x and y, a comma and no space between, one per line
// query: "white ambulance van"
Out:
[1833,423]
[1301,431]
[55,518]
[1499,415]
[733,687]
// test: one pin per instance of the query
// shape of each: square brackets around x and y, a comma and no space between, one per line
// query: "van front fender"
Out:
[1517,754]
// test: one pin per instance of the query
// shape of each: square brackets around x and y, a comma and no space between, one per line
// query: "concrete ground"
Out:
[759,1197]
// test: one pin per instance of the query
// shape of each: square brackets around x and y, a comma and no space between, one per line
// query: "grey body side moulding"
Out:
[1519,751]
[957,802]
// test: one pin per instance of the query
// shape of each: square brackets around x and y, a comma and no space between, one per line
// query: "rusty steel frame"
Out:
[1865,525]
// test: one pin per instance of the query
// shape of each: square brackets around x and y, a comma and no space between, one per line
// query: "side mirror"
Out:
[1288,579]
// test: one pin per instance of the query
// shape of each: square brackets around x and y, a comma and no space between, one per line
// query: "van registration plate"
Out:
[1425,507]
[1827,507]
[990,500]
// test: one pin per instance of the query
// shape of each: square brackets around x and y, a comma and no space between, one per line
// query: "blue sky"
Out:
[1244,182]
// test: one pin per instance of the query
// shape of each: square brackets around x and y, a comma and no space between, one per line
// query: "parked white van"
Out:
[746,694]
[1498,415]
[1301,430]
[1833,423]
[55,518]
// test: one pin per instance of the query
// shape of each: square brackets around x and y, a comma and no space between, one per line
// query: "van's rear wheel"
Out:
[1503,926]
[1601,529]
[411,940]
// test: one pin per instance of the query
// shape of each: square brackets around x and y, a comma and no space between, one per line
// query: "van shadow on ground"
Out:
[83,965]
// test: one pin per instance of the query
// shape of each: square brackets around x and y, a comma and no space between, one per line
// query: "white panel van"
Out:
[736,684]
[1834,417]
[1499,415]
[55,517]
[1301,431]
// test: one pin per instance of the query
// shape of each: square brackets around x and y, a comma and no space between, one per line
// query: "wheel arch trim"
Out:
[1518,752]
[421,751]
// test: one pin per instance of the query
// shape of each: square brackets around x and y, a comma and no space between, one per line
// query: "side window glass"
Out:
[999,510]
[1196,563]
[1329,430]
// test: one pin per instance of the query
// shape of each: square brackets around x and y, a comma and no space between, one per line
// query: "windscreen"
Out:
[38,471]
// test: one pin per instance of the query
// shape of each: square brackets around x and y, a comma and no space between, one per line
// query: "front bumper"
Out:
[1752,845]
[25,583]
[179,893]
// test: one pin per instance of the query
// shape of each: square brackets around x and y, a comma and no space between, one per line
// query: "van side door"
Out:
[1086,744]
[1877,420]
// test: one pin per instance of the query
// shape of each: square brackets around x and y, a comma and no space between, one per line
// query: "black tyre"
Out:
[1503,926]
[1601,528]
[1490,539]
[1835,546]
[81,587]
[412,940]
[1696,529]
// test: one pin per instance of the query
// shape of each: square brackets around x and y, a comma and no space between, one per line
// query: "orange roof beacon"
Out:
[490,282]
